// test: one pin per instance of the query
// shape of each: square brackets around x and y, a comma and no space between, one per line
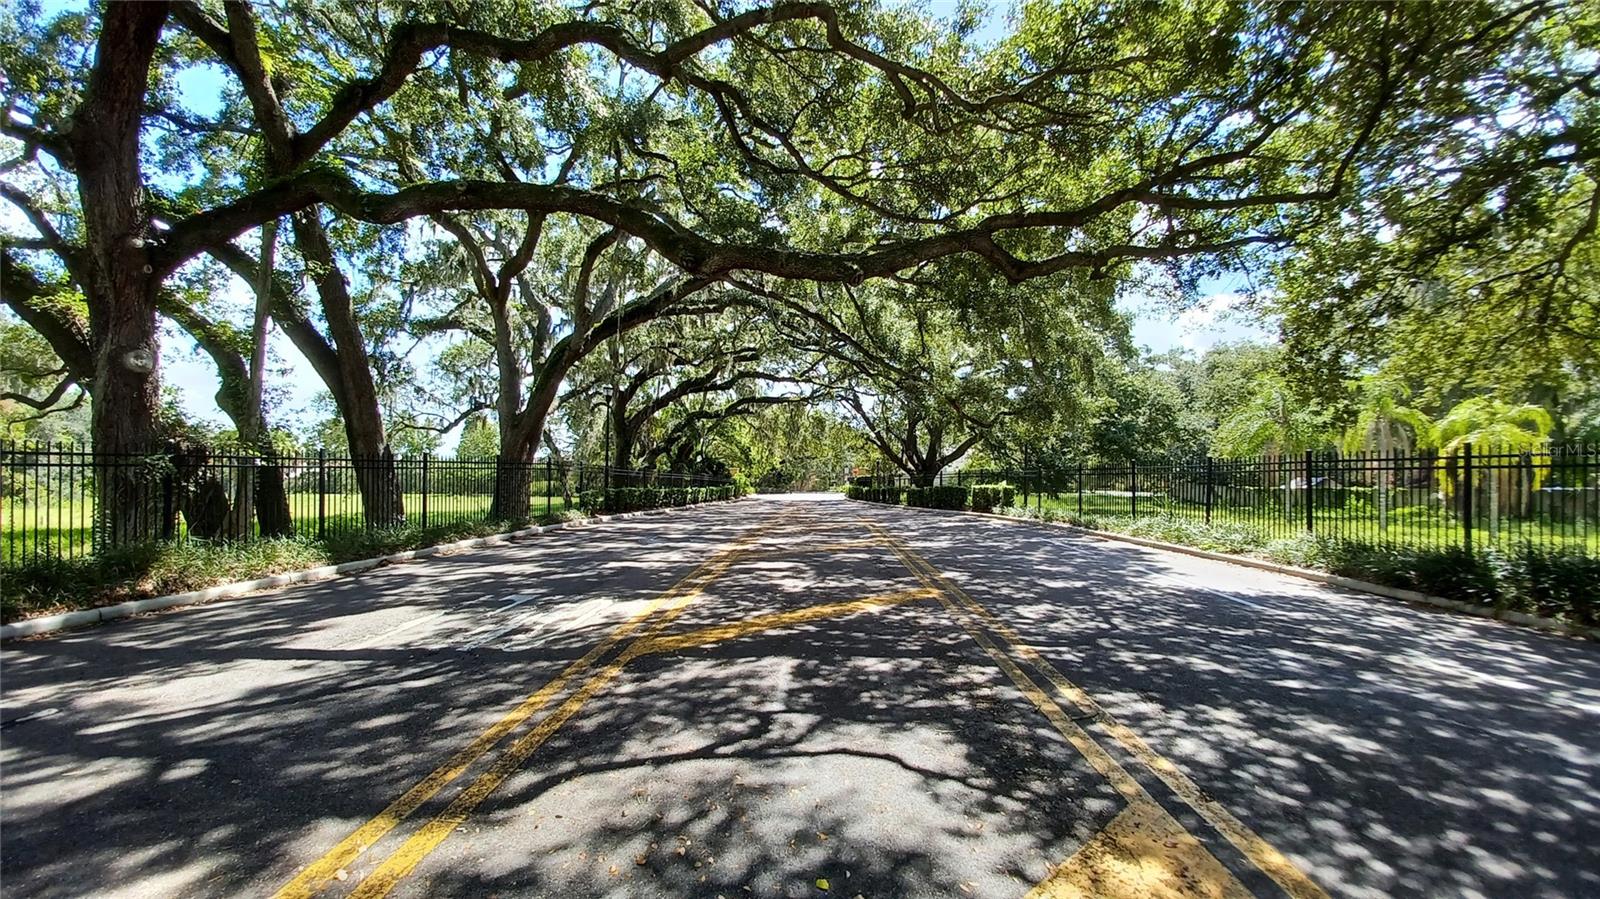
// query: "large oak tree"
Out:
[799,140]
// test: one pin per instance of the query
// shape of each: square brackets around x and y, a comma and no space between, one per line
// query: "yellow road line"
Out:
[775,620]
[427,838]
[1141,854]
[1260,853]
[313,877]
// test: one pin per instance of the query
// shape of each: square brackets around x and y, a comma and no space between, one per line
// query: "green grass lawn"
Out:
[63,529]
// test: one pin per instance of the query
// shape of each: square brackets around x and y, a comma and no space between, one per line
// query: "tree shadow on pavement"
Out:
[1397,750]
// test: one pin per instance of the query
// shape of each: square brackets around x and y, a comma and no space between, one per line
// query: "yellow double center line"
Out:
[970,613]
[316,875]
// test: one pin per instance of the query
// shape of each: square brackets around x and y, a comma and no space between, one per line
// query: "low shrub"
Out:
[1553,582]
[52,584]
[1216,537]
[1526,578]
[347,546]
[1545,581]
[989,497]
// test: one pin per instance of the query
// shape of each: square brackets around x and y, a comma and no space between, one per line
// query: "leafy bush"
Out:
[1217,537]
[49,583]
[989,497]
[1552,582]
[1526,578]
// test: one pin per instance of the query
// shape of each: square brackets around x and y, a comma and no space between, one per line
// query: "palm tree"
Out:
[1381,421]
[1497,426]
[1271,421]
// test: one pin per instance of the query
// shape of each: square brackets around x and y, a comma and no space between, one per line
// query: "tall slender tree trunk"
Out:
[376,475]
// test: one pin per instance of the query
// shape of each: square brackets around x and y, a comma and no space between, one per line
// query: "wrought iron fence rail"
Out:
[52,496]
[1473,498]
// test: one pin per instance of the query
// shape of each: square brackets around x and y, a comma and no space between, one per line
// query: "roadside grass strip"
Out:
[1195,866]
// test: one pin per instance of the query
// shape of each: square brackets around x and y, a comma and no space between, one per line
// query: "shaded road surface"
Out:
[802,697]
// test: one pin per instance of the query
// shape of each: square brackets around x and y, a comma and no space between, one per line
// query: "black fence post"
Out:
[322,493]
[549,487]
[1133,489]
[1466,498]
[1311,501]
[1038,492]
[168,500]
[1080,491]
[1210,471]
[425,491]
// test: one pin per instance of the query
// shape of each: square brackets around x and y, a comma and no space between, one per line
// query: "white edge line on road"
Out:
[1180,585]
[44,624]
[373,640]
[517,599]
[517,621]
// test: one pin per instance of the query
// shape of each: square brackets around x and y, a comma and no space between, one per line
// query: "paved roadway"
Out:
[802,697]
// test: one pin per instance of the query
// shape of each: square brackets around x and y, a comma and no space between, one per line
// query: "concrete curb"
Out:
[29,627]
[1332,580]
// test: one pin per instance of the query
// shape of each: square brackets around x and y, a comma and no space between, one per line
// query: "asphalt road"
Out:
[802,697]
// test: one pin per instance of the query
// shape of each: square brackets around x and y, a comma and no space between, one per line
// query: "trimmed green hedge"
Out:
[949,496]
[1525,578]
[638,499]
[989,497]
[894,496]
[982,498]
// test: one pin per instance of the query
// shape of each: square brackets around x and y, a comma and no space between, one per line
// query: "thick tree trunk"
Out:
[513,482]
[272,498]
[128,478]
[121,294]
[624,438]
[519,441]
[378,481]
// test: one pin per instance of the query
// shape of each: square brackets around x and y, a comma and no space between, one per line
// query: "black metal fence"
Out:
[55,500]
[1475,498]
